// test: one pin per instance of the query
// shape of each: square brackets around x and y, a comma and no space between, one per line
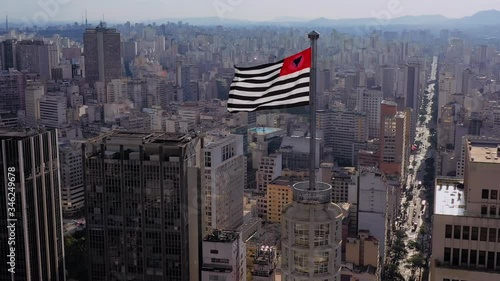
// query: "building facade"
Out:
[30,161]
[143,203]
[224,256]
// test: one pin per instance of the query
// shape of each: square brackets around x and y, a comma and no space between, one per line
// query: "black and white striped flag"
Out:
[277,85]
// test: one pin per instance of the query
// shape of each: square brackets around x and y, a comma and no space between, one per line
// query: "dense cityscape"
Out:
[122,159]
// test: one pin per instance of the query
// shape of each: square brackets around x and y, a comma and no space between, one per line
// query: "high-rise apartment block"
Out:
[11,91]
[466,223]
[31,218]
[394,139]
[33,56]
[72,188]
[369,101]
[102,52]
[225,166]
[143,203]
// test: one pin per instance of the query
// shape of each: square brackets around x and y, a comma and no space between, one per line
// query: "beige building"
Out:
[466,224]
[361,261]
[279,194]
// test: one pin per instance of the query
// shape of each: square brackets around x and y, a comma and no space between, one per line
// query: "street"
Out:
[414,208]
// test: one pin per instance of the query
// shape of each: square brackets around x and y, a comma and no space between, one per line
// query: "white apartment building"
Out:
[269,169]
[378,201]
[33,94]
[224,257]
[72,188]
[53,110]
[466,222]
[225,166]
[117,90]
[369,101]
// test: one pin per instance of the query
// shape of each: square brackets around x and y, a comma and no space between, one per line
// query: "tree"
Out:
[76,254]
[391,273]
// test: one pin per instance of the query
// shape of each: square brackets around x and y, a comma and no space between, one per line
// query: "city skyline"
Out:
[258,10]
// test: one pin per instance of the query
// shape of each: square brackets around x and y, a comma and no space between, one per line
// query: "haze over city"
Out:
[250,140]
[255,10]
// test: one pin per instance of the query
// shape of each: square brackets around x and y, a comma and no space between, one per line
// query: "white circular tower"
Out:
[311,235]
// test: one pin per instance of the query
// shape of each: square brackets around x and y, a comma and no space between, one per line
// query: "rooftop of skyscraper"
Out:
[484,153]
[449,197]
[222,236]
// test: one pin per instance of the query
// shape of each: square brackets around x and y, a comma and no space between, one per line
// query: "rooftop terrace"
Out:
[449,197]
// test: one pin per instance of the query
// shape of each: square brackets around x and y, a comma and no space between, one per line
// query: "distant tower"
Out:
[86,22]
[7,22]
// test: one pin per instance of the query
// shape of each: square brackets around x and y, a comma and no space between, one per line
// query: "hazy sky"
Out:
[138,10]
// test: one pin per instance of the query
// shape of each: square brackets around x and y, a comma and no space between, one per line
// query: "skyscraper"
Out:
[102,52]
[143,203]
[225,166]
[29,177]
[8,54]
[394,139]
[11,90]
[33,56]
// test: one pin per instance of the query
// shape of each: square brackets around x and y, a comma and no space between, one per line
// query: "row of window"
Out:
[472,258]
[489,194]
[473,233]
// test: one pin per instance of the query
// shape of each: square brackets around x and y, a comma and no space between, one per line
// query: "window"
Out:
[301,262]
[485,194]
[447,254]
[214,251]
[301,232]
[448,231]
[482,258]
[484,234]
[484,210]
[473,257]
[493,210]
[321,262]
[456,257]
[474,234]
[494,194]
[321,235]
[490,261]
[465,257]
[498,259]
[465,232]
[456,232]
[493,235]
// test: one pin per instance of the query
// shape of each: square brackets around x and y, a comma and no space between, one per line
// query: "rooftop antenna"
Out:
[86,22]
[7,22]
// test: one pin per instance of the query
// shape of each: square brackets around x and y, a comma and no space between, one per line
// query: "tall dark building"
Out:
[33,56]
[143,202]
[12,87]
[102,52]
[29,176]
[8,54]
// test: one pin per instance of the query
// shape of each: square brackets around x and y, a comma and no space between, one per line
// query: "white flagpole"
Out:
[313,36]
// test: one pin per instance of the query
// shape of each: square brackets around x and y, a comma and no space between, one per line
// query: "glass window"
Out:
[482,258]
[485,194]
[498,259]
[448,231]
[465,257]
[321,262]
[301,262]
[484,234]
[447,254]
[493,235]
[475,232]
[456,256]
[301,232]
[491,260]
[321,235]
[473,257]
[465,233]
[493,210]
[456,232]
[494,194]
[484,210]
